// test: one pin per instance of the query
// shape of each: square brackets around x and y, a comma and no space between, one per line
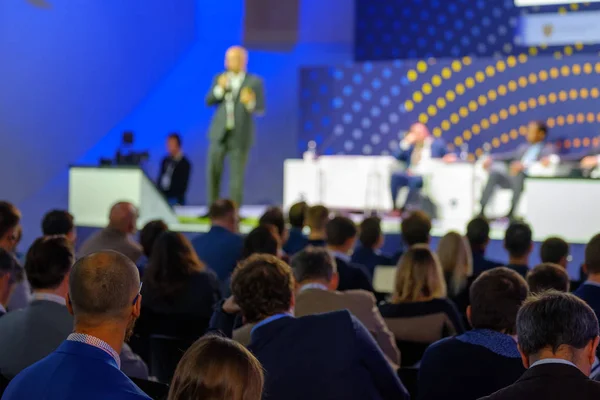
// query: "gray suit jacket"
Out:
[520,151]
[111,239]
[243,135]
[30,334]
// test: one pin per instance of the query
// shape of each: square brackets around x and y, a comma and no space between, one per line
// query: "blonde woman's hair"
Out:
[455,256]
[419,276]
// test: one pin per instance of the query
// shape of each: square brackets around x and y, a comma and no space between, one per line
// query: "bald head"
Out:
[236,59]
[123,217]
[420,130]
[103,286]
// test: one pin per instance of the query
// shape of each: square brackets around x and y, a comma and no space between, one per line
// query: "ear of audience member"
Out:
[548,276]
[59,222]
[341,236]
[419,313]
[486,358]
[346,363]
[148,235]
[317,218]
[519,244]
[589,291]
[478,235]
[296,240]
[261,240]
[217,368]
[371,240]
[555,250]
[274,217]
[558,337]
[11,273]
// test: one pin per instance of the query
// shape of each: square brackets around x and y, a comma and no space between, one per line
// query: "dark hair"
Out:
[217,368]
[273,216]
[313,263]
[262,285]
[149,233]
[478,232]
[48,261]
[297,213]
[221,209]
[9,217]
[259,241]
[548,276]
[10,265]
[496,296]
[553,250]
[317,217]
[517,239]
[176,137]
[58,222]
[339,230]
[415,228]
[592,255]
[171,264]
[370,232]
[542,126]
[553,319]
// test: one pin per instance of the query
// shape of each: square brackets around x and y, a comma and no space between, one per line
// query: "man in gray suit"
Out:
[238,96]
[519,161]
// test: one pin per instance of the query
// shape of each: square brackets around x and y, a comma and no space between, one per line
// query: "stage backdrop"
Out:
[366,108]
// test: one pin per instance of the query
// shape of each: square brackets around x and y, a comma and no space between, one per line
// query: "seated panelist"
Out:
[587,159]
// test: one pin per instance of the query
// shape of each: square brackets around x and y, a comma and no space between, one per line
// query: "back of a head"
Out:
[415,228]
[217,368]
[478,232]
[554,250]
[339,230]
[262,285]
[10,265]
[592,255]
[58,222]
[149,233]
[103,286]
[548,276]
[222,209]
[317,217]
[48,262]
[496,296]
[370,232]
[260,241]
[297,214]
[313,263]
[123,217]
[10,217]
[555,321]
[456,259]
[518,239]
[274,216]
[418,276]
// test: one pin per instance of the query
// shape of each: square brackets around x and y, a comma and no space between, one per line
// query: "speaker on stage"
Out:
[271,24]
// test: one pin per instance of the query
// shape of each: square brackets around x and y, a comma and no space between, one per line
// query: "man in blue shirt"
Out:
[105,301]
[589,291]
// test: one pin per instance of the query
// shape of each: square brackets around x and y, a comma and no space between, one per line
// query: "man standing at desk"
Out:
[238,96]
[174,172]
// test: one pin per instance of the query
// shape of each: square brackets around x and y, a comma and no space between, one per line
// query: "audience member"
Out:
[589,291]
[261,240]
[341,236]
[455,257]
[174,173]
[275,219]
[117,235]
[148,235]
[217,368]
[371,240]
[548,276]
[478,234]
[11,273]
[558,337]
[519,245]
[555,250]
[415,229]
[10,233]
[104,299]
[221,247]
[317,218]
[300,361]
[296,240]
[485,359]
[419,313]
[60,222]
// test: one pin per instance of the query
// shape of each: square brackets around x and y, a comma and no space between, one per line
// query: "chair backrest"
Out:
[411,352]
[384,278]
[165,354]
[410,378]
[156,390]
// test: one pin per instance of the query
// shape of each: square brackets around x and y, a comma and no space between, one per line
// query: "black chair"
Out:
[165,354]
[4,381]
[411,352]
[156,390]
[410,379]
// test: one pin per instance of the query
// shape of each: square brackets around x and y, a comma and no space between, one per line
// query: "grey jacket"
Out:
[112,239]
[520,151]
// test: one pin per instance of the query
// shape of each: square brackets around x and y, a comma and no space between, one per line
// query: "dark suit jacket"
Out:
[550,382]
[296,242]
[319,357]
[111,239]
[521,269]
[179,178]
[482,264]
[438,150]
[353,276]
[369,258]
[220,249]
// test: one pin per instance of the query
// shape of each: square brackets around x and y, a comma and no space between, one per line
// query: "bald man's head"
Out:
[236,59]
[103,286]
[123,217]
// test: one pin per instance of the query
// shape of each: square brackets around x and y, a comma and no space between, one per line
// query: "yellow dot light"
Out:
[500,66]
[522,81]
[494,119]
[503,114]
[533,78]
[479,76]
[511,61]
[456,66]
[467,60]
[445,125]
[441,103]
[446,73]
[551,122]
[513,134]
[562,95]
[436,80]
[460,89]
[469,82]
[495,143]
[554,72]
[522,58]
[570,119]
[573,94]
[492,95]
[587,68]
[560,120]
[458,141]
[432,110]
[485,124]
[532,103]
[594,93]
[421,66]
[522,106]
[454,118]
[502,90]
[543,75]
[417,97]
[533,51]
[504,138]
[542,100]
[427,88]
[564,70]
[580,118]
[552,98]
[450,96]
[584,93]
[437,132]
[423,118]
[490,71]
[512,86]
[476,129]
[467,135]
[412,75]
[512,110]
[576,69]
[482,100]
[463,112]
[590,117]
[472,105]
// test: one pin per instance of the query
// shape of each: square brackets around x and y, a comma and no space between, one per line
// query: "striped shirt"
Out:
[98,343]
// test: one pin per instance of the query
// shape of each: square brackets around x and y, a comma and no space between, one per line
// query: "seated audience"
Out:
[519,245]
[341,237]
[274,219]
[60,222]
[29,335]
[419,313]
[296,240]
[558,337]
[589,291]
[485,359]
[10,232]
[221,247]
[217,368]
[148,235]
[415,229]
[11,273]
[548,276]
[555,250]
[300,361]
[261,240]
[105,301]
[478,234]
[179,291]
[317,218]
[371,240]
[455,257]
[117,235]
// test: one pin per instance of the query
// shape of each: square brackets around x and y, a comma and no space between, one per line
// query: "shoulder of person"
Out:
[361,296]
[329,318]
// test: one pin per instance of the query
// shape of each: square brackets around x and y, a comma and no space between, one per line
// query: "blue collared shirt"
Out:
[317,286]
[269,320]
[552,361]
[531,154]
[98,343]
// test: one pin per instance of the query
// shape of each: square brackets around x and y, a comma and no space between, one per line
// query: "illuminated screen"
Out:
[530,3]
